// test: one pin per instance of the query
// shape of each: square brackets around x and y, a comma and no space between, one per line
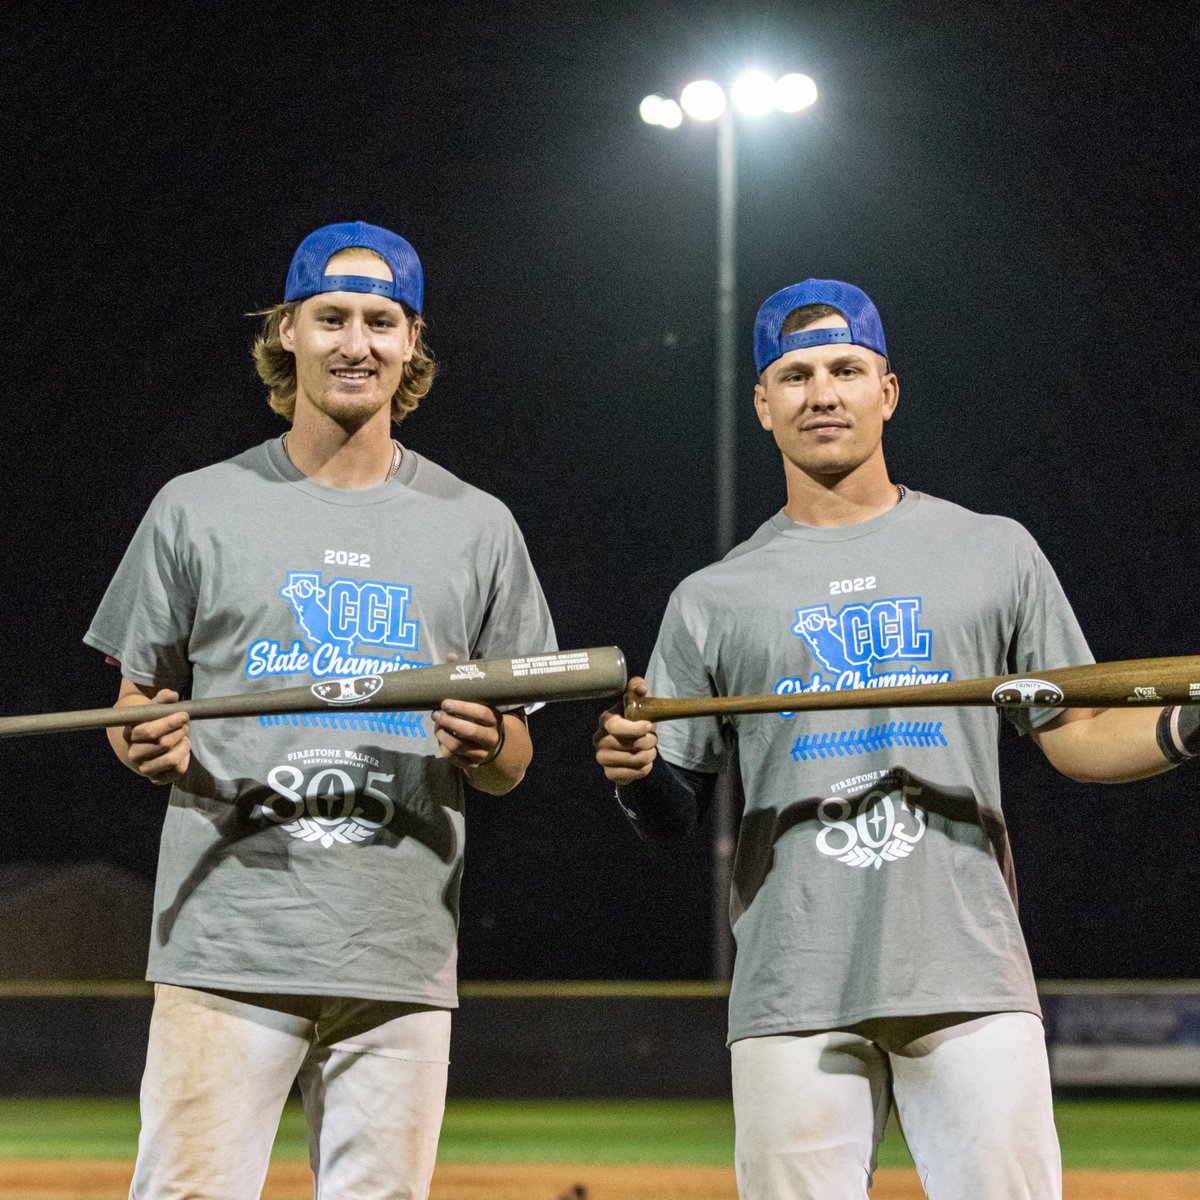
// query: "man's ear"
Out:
[760,406]
[415,325]
[891,395]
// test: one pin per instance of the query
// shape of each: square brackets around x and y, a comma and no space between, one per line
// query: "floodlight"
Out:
[650,110]
[670,115]
[703,100]
[754,93]
[794,92]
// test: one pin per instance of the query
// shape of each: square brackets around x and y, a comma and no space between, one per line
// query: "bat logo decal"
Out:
[347,691]
[1021,693]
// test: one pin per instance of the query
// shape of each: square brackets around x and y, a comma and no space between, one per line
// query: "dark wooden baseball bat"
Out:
[1133,683]
[501,682]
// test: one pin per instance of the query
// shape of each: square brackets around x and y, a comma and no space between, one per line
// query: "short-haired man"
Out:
[879,958]
[307,897]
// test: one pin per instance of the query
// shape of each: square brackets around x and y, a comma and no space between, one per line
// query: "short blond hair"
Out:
[277,367]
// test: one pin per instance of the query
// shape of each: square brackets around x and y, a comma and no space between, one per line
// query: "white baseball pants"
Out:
[972,1096]
[220,1065]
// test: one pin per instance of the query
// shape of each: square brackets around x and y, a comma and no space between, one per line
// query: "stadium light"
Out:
[655,110]
[794,92]
[703,100]
[753,94]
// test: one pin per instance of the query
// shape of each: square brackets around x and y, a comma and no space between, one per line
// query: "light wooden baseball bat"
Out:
[1133,683]
[501,682]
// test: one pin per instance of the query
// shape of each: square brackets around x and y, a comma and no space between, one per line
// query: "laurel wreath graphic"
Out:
[862,856]
[347,832]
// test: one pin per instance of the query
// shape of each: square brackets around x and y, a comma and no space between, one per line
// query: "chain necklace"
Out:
[397,454]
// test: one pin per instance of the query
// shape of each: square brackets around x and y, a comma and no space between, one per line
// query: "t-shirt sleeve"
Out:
[145,619]
[516,619]
[678,669]
[1047,633]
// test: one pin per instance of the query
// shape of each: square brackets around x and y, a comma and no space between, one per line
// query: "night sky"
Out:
[1015,191]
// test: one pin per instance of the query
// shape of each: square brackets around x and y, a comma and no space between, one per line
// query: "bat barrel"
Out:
[1133,683]
[596,673]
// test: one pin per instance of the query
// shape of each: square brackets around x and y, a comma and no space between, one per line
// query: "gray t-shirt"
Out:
[314,854]
[873,875]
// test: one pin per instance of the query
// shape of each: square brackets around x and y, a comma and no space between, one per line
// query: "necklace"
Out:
[397,454]
[901,490]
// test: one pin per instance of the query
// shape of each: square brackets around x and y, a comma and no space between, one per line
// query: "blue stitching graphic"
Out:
[864,741]
[401,724]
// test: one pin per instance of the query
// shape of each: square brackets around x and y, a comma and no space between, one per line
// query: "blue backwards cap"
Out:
[865,327]
[306,276]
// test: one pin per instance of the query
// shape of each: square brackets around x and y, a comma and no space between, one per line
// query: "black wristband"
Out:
[1178,732]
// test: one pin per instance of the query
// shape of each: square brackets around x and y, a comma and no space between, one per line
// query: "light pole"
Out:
[753,94]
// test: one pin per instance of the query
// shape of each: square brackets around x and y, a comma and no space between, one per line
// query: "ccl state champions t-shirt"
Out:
[316,853]
[873,875]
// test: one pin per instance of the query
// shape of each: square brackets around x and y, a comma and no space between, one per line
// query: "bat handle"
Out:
[635,706]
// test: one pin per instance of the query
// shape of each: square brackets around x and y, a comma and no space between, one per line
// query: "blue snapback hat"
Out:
[862,317]
[306,276]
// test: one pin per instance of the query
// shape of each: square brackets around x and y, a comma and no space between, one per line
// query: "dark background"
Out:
[1016,190]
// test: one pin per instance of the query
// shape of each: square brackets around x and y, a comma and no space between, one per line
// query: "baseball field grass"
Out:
[1109,1135]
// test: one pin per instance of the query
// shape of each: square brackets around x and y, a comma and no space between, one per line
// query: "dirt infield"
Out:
[83,1179]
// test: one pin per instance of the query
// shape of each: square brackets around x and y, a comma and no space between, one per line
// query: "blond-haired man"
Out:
[307,894]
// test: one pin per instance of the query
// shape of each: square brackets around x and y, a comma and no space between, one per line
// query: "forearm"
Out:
[1111,745]
[158,750]
[508,768]
[116,733]
[668,803]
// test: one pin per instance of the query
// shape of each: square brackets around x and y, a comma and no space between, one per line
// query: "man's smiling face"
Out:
[350,347]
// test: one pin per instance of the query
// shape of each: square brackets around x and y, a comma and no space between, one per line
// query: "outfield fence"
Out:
[593,1039]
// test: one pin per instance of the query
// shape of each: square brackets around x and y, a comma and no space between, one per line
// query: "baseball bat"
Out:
[1132,683]
[501,682]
